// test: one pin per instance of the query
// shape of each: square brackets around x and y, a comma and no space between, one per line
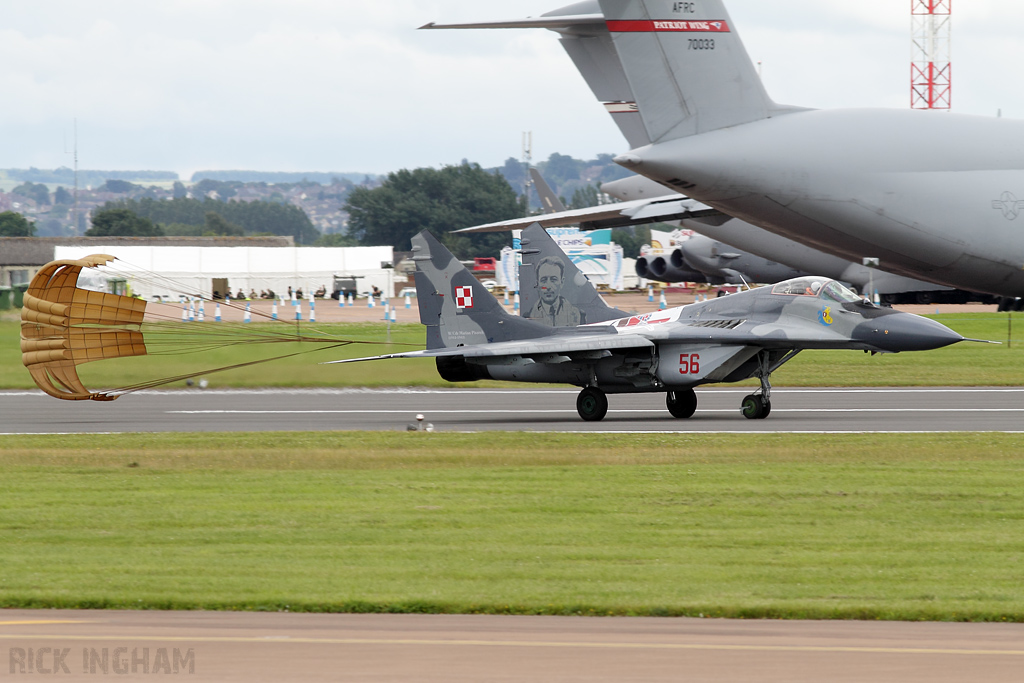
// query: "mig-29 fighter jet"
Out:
[729,339]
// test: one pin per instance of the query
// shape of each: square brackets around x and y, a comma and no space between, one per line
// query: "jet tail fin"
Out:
[455,307]
[553,289]
[686,66]
[548,198]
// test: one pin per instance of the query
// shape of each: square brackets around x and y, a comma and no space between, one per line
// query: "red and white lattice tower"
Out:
[931,71]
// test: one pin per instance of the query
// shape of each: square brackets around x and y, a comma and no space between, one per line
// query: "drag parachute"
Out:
[64,325]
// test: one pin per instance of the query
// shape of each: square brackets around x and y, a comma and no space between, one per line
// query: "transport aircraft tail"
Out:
[455,307]
[553,289]
[686,66]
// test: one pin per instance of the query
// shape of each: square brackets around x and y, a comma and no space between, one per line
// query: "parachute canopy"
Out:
[63,326]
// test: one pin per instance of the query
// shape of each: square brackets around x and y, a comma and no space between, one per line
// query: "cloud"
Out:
[326,85]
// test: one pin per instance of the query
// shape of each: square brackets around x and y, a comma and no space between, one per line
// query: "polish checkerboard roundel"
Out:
[464,297]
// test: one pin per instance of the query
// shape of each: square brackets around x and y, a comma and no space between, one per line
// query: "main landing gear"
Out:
[759,406]
[682,403]
[592,404]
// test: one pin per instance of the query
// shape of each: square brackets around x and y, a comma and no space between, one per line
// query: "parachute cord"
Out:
[120,391]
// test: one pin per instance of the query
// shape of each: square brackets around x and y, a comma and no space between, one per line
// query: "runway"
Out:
[817,410]
[230,646]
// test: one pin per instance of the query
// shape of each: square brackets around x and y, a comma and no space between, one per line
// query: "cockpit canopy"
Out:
[819,287]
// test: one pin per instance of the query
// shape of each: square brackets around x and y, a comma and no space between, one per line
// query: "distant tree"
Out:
[336,240]
[180,192]
[117,186]
[514,172]
[439,200]
[13,224]
[631,239]
[252,217]
[51,227]
[182,229]
[37,192]
[62,196]
[584,197]
[122,223]
[560,169]
[216,225]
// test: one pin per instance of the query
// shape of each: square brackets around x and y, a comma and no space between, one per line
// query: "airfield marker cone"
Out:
[408,300]
[216,313]
[247,318]
[394,315]
[273,310]
[184,310]
[191,309]
[312,311]
[294,302]
[506,296]
[877,300]
[298,311]
[341,299]
[515,302]
[662,302]
[202,311]
[369,301]
[650,293]
[352,300]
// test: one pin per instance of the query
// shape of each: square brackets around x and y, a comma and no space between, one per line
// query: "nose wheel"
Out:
[759,406]
[592,404]
[755,407]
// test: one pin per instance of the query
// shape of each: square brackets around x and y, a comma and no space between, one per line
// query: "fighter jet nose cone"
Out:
[906,332]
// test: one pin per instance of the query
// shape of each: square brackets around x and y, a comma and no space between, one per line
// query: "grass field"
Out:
[965,364]
[874,526]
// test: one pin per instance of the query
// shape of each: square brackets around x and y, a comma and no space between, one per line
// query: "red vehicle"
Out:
[485,263]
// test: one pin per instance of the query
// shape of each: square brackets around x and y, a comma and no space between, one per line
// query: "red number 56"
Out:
[689,363]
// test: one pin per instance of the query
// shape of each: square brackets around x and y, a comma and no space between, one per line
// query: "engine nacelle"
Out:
[456,369]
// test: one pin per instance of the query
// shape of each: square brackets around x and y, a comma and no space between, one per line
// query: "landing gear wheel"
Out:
[682,404]
[592,404]
[755,407]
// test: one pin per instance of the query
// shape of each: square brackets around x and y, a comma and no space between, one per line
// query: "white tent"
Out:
[194,269]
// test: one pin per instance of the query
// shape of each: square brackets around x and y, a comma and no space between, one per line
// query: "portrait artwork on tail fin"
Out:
[553,289]
[456,308]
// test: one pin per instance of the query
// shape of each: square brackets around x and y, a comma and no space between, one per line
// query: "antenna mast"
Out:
[528,162]
[931,68]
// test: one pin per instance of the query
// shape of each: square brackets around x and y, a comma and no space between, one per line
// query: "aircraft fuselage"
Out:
[928,193]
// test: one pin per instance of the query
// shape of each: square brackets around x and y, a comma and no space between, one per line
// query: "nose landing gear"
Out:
[759,406]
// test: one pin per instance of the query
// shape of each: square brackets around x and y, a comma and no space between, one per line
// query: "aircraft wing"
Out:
[622,214]
[569,346]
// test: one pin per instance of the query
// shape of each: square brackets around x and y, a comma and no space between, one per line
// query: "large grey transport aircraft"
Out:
[933,196]
[729,339]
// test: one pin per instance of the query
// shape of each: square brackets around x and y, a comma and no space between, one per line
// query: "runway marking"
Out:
[413,390]
[45,621]
[519,643]
[499,411]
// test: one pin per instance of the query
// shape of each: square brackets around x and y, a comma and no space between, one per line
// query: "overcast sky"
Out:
[341,85]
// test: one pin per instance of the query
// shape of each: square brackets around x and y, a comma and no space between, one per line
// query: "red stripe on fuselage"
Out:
[662,26]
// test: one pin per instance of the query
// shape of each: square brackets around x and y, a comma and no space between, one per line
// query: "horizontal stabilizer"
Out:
[553,22]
